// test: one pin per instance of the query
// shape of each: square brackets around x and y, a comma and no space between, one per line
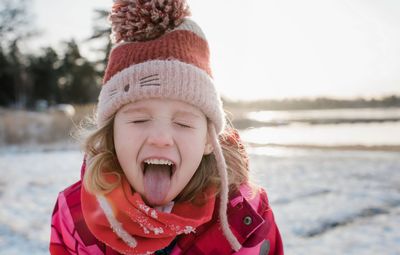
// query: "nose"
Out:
[160,136]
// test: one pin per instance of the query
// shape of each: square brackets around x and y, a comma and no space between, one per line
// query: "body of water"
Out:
[343,127]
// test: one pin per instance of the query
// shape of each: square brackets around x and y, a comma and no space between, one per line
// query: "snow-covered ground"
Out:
[325,202]
[333,202]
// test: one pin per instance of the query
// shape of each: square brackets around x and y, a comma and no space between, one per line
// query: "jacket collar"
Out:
[243,218]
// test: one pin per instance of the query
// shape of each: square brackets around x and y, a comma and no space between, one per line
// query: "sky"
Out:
[271,49]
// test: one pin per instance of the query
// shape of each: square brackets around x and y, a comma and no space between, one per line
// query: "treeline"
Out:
[317,103]
[28,79]
[46,77]
[52,78]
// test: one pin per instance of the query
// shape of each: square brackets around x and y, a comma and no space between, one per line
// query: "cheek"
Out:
[192,143]
[124,142]
[125,135]
[121,142]
[126,149]
[192,152]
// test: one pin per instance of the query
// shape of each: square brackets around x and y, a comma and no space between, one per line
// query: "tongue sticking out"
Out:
[157,180]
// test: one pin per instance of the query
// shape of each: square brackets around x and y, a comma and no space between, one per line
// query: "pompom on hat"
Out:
[160,53]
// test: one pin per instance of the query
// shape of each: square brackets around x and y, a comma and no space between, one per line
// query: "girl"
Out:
[162,172]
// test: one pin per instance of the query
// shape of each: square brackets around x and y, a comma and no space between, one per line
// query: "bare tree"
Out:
[101,33]
[15,22]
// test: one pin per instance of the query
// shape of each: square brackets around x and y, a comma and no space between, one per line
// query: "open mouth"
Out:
[162,164]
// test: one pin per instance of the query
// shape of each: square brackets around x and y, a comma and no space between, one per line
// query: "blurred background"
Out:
[313,87]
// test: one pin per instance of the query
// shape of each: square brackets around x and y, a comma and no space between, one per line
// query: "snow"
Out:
[154,214]
[158,231]
[325,202]
[189,229]
[29,184]
[333,202]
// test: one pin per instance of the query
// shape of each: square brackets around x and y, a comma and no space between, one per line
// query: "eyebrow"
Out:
[145,110]
[135,109]
[187,113]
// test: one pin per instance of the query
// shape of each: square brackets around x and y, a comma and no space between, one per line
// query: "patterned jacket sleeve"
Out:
[272,245]
[62,240]
[69,233]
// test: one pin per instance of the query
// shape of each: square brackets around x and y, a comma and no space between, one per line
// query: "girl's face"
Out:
[160,144]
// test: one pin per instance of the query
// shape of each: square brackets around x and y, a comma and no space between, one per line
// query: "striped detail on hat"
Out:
[185,43]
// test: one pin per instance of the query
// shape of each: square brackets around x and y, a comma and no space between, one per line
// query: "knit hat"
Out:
[160,53]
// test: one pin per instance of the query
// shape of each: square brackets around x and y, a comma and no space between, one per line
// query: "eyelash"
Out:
[183,125]
[177,123]
[138,121]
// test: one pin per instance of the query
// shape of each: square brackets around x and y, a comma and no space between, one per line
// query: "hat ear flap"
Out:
[221,165]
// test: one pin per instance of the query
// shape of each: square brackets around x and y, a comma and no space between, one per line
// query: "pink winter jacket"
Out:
[251,220]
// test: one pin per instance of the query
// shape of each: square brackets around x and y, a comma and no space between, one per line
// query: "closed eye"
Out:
[184,125]
[139,121]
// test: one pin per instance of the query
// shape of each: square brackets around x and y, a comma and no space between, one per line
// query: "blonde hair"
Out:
[101,158]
